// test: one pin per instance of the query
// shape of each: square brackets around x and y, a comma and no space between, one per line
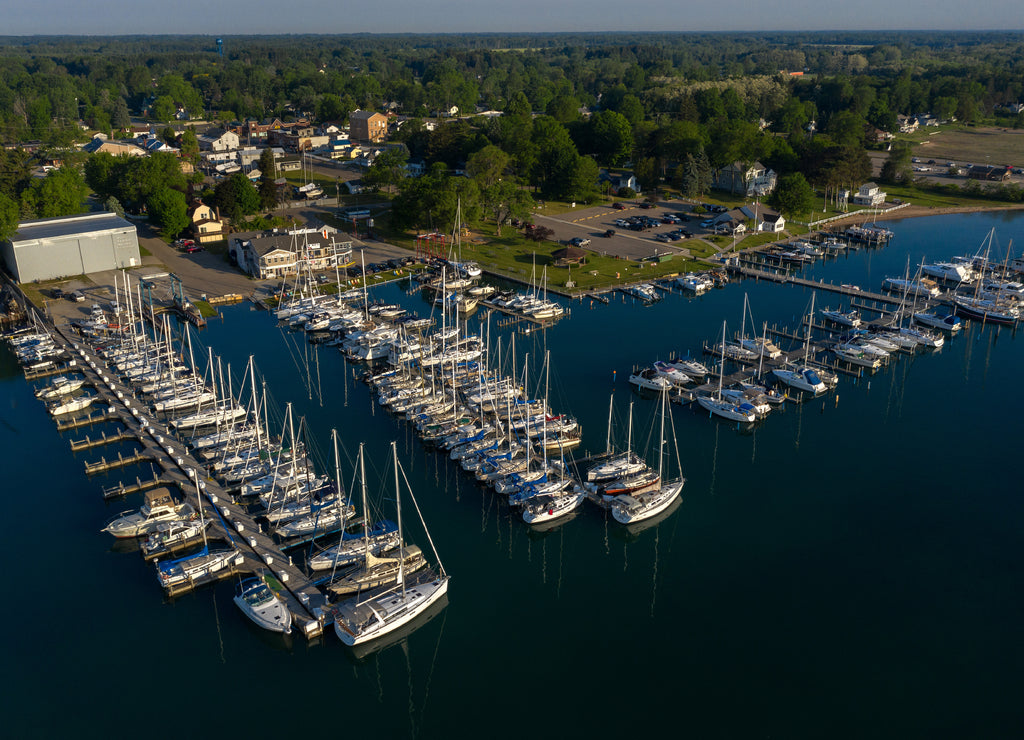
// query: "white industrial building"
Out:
[53,248]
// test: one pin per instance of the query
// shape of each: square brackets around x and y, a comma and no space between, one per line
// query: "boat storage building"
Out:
[53,248]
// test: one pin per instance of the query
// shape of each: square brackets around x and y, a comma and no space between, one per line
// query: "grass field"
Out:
[969,145]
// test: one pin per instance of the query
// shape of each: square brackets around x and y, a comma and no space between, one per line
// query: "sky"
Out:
[231,17]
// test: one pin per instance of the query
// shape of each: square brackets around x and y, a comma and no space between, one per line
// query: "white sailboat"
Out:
[803,377]
[637,508]
[357,622]
[721,407]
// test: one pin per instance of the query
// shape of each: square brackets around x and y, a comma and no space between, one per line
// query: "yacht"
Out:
[800,377]
[264,607]
[843,318]
[950,323]
[158,507]
[650,379]
[192,568]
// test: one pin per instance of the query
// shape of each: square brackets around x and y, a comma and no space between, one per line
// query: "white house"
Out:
[771,222]
[751,180]
[218,140]
[869,195]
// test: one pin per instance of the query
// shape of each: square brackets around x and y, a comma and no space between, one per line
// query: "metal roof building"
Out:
[72,245]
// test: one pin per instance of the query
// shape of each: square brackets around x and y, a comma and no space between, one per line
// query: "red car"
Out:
[193,248]
[619,206]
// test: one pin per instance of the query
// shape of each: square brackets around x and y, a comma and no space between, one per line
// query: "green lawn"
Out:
[514,256]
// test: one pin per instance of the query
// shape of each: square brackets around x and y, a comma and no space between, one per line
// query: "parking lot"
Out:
[629,230]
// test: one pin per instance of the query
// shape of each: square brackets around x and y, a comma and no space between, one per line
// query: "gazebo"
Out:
[569,256]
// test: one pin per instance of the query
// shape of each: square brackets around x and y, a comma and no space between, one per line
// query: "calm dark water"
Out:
[851,567]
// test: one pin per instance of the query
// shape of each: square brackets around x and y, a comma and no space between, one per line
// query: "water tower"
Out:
[220,47]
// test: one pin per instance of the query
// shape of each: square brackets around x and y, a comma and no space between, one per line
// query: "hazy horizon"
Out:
[318,17]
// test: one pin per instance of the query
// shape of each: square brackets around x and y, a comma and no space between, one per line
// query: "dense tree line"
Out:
[674,106]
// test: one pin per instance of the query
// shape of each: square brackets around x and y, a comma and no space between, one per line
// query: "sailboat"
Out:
[198,566]
[633,509]
[357,622]
[722,407]
[618,466]
[803,377]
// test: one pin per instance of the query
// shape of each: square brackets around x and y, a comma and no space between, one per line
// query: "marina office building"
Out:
[52,248]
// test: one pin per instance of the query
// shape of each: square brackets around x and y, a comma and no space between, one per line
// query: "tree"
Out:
[388,169]
[237,197]
[897,168]
[190,145]
[164,108]
[121,119]
[267,187]
[61,193]
[114,206]
[488,166]
[611,137]
[167,208]
[793,195]
[8,217]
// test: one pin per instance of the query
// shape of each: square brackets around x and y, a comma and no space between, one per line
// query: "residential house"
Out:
[117,148]
[277,254]
[368,126]
[772,222]
[907,124]
[416,167]
[740,178]
[207,226]
[218,140]
[868,194]
[619,181]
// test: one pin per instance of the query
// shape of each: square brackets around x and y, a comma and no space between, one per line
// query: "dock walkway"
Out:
[182,470]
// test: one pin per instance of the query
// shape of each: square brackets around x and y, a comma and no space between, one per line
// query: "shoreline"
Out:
[913,211]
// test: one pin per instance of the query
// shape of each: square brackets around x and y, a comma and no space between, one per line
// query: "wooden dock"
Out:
[140,485]
[88,444]
[121,462]
[181,469]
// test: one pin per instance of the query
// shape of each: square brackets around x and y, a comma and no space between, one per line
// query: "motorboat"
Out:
[650,379]
[172,535]
[949,323]
[801,377]
[62,385]
[71,405]
[672,374]
[158,507]
[953,272]
[691,367]
[193,568]
[263,606]
[843,318]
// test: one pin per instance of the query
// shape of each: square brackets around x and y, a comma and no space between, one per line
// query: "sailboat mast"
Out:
[661,443]
[398,506]
[608,439]
[362,484]
[721,368]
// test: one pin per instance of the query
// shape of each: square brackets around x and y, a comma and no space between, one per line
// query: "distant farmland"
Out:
[995,146]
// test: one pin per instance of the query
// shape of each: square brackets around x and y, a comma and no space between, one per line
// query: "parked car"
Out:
[579,241]
[670,218]
[56,293]
[193,248]
[645,204]
[77,296]
[619,206]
